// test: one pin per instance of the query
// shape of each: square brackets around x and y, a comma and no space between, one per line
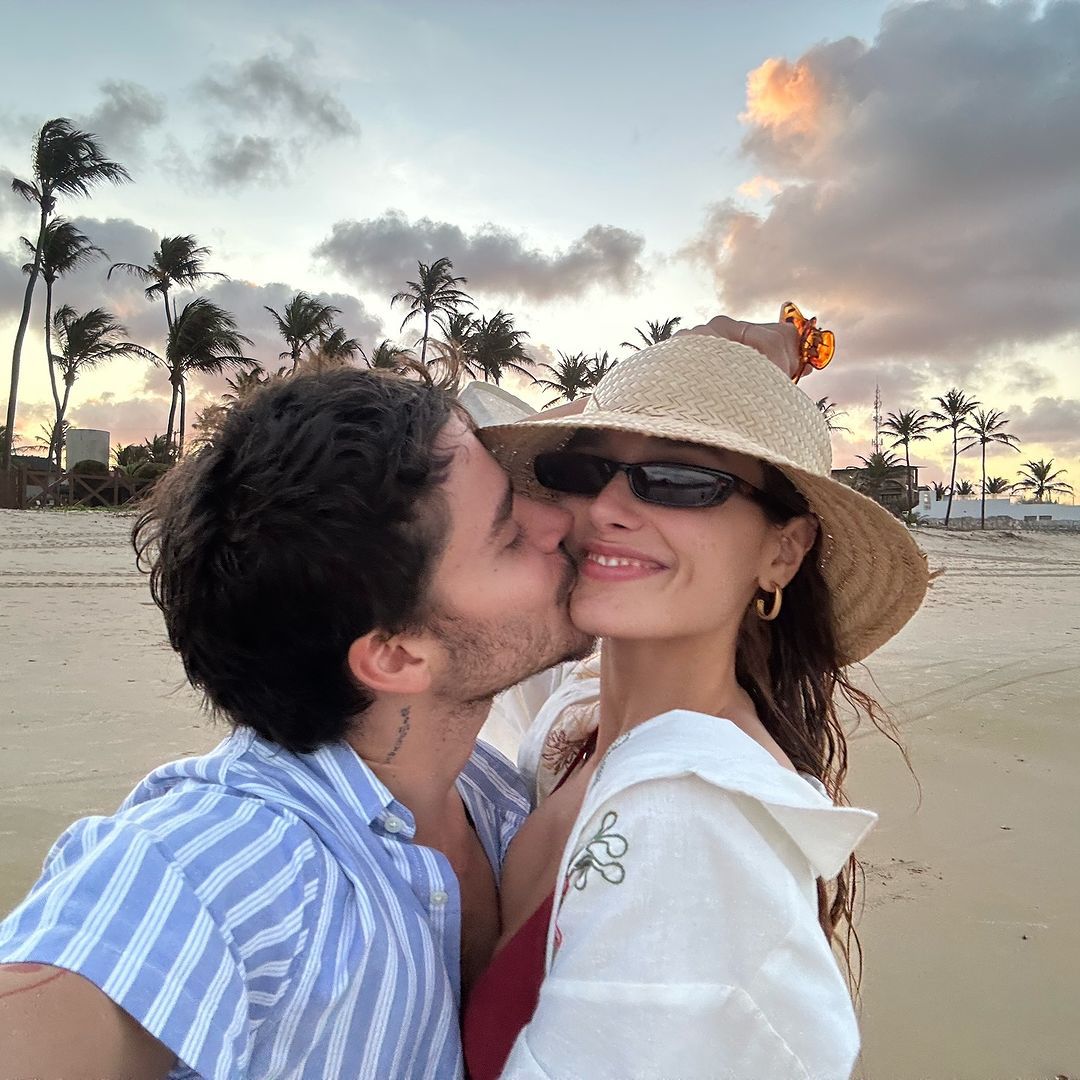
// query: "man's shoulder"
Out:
[214,823]
[491,775]
[208,840]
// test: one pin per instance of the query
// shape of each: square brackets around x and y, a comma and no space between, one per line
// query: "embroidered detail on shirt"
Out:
[560,750]
[602,853]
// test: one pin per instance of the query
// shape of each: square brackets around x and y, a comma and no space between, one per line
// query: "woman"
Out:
[679,888]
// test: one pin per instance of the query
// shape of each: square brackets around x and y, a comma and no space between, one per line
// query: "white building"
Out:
[1021,513]
[87,444]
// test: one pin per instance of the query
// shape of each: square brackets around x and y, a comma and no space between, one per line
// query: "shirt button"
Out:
[438,898]
[393,824]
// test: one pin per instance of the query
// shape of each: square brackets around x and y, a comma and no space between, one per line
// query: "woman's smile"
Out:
[608,562]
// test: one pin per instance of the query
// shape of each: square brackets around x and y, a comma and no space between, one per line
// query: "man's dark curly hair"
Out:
[313,518]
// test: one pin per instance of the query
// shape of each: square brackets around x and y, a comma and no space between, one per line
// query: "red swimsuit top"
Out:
[504,997]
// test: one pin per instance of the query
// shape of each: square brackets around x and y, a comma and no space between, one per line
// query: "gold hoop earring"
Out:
[774,610]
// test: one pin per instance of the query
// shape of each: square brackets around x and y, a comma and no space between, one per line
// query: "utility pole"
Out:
[877,418]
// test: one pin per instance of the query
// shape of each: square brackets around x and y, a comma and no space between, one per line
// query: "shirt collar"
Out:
[682,742]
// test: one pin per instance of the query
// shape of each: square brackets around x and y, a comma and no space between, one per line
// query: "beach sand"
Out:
[970,925]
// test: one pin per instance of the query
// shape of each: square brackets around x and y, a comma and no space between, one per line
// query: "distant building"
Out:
[890,490]
[87,444]
[1020,512]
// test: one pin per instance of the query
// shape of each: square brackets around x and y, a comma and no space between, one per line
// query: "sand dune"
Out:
[969,926]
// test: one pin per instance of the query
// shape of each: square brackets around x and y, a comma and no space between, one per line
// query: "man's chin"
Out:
[585,645]
[577,647]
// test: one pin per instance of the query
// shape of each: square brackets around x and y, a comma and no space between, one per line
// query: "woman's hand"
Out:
[778,342]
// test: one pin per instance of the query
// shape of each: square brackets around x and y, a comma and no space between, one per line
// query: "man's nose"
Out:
[548,524]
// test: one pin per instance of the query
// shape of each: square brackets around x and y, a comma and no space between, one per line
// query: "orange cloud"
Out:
[783,96]
[759,187]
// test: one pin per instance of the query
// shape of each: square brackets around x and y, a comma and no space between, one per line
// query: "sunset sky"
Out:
[909,173]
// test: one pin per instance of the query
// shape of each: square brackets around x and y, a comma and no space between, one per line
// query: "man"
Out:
[348,577]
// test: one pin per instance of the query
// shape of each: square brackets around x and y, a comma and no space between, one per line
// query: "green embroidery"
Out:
[602,854]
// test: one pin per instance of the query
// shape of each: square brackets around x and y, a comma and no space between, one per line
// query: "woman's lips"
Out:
[610,566]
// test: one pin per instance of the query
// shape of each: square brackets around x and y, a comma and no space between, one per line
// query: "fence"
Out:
[27,489]
[1039,522]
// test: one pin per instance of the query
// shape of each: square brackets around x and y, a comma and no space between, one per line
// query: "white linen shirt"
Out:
[685,941]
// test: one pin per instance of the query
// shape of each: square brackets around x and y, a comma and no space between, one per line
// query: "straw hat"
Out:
[719,393]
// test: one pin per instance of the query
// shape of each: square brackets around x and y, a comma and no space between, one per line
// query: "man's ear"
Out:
[797,537]
[391,663]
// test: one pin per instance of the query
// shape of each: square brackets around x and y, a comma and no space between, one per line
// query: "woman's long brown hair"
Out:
[792,670]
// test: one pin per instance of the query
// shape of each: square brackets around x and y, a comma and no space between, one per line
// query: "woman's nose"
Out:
[616,506]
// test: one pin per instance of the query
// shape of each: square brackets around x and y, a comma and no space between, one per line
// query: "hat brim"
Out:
[875,572]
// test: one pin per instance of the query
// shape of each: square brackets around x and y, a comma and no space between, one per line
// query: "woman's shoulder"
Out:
[561,725]
[684,764]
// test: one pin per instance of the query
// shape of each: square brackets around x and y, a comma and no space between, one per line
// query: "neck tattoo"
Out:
[403,730]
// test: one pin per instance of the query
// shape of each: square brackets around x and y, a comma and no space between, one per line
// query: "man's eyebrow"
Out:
[502,515]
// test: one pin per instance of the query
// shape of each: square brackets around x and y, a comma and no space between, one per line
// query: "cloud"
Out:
[16,214]
[242,159]
[12,287]
[274,113]
[127,241]
[127,420]
[1052,421]
[123,118]
[381,253]
[930,207]
[270,86]
[123,240]
[247,301]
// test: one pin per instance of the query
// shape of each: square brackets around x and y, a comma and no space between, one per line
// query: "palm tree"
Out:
[570,377]
[654,333]
[1041,480]
[484,348]
[997,485]
[333,350]
[149,458]
[940,491]
[64,249]
[178,261]
[907,427]
[203,339]
[303,321]
[85,341]
[246,381]
[986,428]
[53,435]
[159,450]
[435,291]
[879,467]
[599,365]
[208,423]
[129,458]
[388,357]
[66,162]
[965,489]
[954,409]
[454,354]
[495,347]
[830,411]
[337,345]
[16,445]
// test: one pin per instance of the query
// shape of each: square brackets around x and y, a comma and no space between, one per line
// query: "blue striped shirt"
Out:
[265,914]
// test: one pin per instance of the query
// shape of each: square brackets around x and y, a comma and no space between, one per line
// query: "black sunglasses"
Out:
[659,482]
